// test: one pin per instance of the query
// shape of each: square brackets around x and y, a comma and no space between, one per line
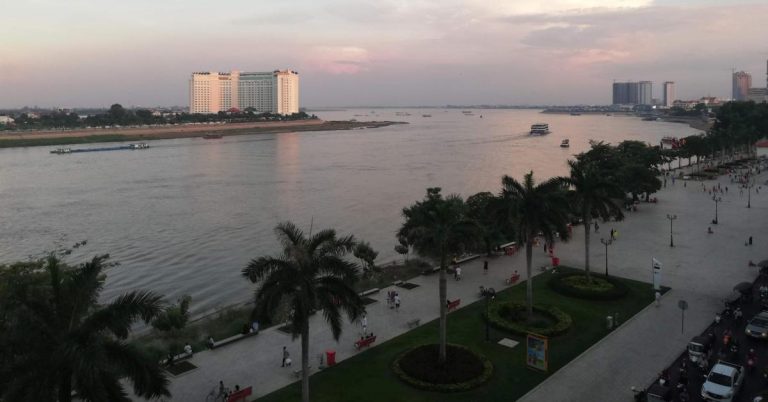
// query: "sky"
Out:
[90,53]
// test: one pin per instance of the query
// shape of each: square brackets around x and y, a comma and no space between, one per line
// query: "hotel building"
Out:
[633,93]
[669,93]
[273,92]
[741,83]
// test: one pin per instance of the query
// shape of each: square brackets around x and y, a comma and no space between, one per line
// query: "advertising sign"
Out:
[537,354]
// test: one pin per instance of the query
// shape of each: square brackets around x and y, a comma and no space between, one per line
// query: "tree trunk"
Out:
[305,361]
[587,220]
[443,294]
[65,387]
[529,282]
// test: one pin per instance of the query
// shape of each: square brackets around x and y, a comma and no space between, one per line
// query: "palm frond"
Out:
[118,316]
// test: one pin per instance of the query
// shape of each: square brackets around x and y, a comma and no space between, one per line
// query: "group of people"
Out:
[393,300]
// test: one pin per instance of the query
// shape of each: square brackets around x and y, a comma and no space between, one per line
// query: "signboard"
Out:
[656,274]
[537,352]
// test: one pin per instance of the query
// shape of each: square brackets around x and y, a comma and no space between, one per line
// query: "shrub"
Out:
[561,283]
[467,369]
[512,317]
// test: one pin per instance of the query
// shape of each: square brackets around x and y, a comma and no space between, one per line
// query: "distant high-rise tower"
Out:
[741,83]
[645,93]
[274,92]
[669,93]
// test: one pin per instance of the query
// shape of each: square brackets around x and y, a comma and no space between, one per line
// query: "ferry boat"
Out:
[139,145]
[61,151]
[565,143]
[539,129]
[575,114]
[212,136]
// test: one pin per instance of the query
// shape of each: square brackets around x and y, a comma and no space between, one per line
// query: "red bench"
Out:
[453,305]
[365,342]
[240,395]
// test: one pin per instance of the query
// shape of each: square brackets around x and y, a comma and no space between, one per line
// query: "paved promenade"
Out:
[702,268]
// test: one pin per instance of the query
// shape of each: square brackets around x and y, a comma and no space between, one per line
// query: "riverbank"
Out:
[87,136]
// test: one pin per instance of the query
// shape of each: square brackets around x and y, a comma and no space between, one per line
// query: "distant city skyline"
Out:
[84,53]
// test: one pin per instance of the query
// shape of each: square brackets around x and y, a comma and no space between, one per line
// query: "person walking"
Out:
[397,301]
[286,357]
[750,240]
[597,227]
[458,273]
[485,267]
[364,323]
[657,295]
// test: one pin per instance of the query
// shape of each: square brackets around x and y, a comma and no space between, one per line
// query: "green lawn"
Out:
[367,376]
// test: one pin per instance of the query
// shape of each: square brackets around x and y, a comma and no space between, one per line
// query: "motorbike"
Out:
[751,360]
[487,292]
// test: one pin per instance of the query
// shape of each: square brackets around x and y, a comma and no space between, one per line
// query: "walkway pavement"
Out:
[702,269]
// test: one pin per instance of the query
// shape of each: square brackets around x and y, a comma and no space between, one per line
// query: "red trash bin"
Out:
[330,357]
[555,261]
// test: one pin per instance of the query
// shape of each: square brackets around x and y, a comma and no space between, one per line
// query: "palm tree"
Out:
[529,210]
[591,195]
[311,274]
[64,341]
[438,227]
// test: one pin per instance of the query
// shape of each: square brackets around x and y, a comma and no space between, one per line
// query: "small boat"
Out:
[565,143]
[540,129]
[669,140]
[575,114]
[139,145]
[61,151]
[426,115]
[212,136]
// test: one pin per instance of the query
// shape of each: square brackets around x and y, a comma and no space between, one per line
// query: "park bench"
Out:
[240,396]
[413,323]
[365,342]
[453,305]
[176,358]
[233,338]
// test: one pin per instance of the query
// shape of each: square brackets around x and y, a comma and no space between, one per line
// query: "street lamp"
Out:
[716,200]
[750,184]
[606,243]
[489,295]
[671,240]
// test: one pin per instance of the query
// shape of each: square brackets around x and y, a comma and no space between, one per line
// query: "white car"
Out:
[723,382]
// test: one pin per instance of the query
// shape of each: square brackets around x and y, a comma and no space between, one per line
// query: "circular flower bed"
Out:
[513,317]
[575,284]
[465,369]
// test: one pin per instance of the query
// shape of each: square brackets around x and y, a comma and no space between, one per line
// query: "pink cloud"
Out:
[338,59]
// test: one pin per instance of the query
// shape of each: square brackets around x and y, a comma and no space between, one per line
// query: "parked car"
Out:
[757,327]
[723,382]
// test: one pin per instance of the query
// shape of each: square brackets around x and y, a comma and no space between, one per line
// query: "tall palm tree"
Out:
[592,195]
[311,274]
[65,341]
[529,210]
[438,227]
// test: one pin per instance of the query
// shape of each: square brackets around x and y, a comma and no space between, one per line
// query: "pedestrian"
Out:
[364,322]
[658,298]
[188,349]
[612,234]
[685,184]
[750,240]
[597,227]
[458,273]
[222,390]
[485,267]
[286,357]
[397,302]
[726,189]
[673,180]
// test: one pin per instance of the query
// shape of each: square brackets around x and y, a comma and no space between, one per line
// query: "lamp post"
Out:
[671,240]
[716,200]
[750,184]
[606,243]
[488,297]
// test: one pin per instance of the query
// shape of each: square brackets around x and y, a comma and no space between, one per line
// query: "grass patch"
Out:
[367,376]
[581,282]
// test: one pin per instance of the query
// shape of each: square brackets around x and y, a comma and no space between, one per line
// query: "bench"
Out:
[467,258]
[413,323]
[453,305]
[178,357]
[365,342]
[240,395]
[431,270]
[233,338]
[297,373]
[369,292]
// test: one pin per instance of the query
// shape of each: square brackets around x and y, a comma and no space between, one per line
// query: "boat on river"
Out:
[212,136]
[61,151]
[540,129]
[134,146]
[565,143]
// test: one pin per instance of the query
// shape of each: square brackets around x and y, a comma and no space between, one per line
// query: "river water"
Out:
[185,216]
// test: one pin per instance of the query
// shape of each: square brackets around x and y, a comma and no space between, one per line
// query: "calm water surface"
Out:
[185,216]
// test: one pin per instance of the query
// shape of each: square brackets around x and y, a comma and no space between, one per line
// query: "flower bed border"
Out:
[557,284]
[563,324]
[456,387]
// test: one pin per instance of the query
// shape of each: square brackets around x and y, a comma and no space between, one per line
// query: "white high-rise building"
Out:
[645,93]
[273,92]
[669,93]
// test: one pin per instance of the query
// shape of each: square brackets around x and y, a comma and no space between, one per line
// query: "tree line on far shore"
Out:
[117,115]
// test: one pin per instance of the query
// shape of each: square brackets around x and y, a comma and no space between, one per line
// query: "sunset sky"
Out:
[385,52]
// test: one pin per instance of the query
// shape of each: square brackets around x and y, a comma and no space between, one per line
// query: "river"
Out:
[186,215]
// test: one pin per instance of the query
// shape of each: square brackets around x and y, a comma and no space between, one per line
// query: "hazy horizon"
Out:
[84,53]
